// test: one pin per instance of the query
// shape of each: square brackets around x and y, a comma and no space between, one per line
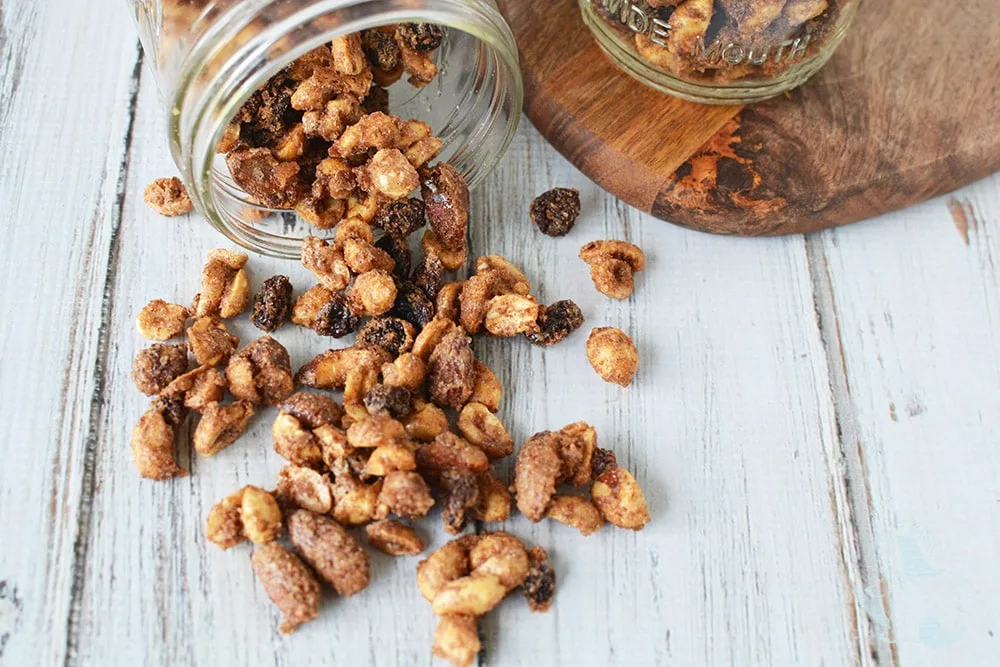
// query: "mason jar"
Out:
[210,56]
[720,51]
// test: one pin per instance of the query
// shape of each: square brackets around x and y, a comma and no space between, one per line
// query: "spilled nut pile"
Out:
[417,424]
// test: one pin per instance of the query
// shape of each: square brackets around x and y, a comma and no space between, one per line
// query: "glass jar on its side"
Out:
[720,51]
[210,56]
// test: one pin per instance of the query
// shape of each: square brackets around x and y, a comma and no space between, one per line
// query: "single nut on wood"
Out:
[305,488]
[577,512]
[153,447]
[612,277]
[168,197]
[622,250]
[613,355]
[511,314]
[154,368]
[223,526]
[210,341]
[289,583]
[472,595]
[225,287]
[394,538]
[456,639]
[617,494]
[260,515]
[220,426]
[159,320]
[261,372]
[332,551]
[540,585]
[405,494]
[483,429]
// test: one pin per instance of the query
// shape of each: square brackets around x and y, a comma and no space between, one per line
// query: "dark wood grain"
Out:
[907,109]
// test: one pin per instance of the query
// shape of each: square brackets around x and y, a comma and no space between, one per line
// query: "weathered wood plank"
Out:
[917,312]
[64,126]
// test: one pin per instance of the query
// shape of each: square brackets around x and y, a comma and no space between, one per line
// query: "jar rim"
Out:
[225,67]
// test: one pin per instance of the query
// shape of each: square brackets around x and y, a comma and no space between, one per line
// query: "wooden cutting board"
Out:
[908,108]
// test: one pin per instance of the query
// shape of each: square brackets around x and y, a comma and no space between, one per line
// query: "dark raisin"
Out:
[421,36]
[268,114]
[392,333]
[555,211]
[171,407]
[397,248]
[412,305]
[556,322]
[336,318]
[461,495]
[429,276]
[385,399]
[602,461]
[401,218]
[540,586]
[380,49]
[157,366]
[272,304]
[377,99]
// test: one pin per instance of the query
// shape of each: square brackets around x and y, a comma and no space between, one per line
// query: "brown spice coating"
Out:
[508,315]
[540,585]
[621,250]
[446,200]
[444,565]
[451,373]
[271,182]
[449,452]
[210,341]
[361,256]
[502,555]
[305,488]
[272,305]
[555,212]
[447,303]
[329,370]
[407,371]
[198,388]
[261,372]
[220,426]
[392,333]
[483,429]
[157,366]
[406,494]
[474,302]
[577,452]
[556,323]
[613,355]
[612,277]
[311,409]
[431,335]
[308,305]
[223,525]
[168,197]
[394,538]
[618,496]
[331,551]
[494,499]
[159,320]
[376,431]
[373,293]
[487,389]
[225,287]
[326,263]
[537,473]
[456,639]
[289,583]
[577,512]
[153,447]
[400,218]
[453,259]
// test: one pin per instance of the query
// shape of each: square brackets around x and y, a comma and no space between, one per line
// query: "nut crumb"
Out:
[160,320]
[168,197]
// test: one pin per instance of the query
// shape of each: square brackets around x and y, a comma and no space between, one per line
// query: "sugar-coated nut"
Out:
[418,64]
[556,322]
[223,526]
[426,422]
[298,486]
[449,452]
[487,389]
[577,512]
[354,502]
[444,565]
[372,293]
[620,499]
[168,197]
[407,371]
[502,555]
[261,372]
[422,151]
[494,499]
[294,443]
[225,287]
[474,302]
[308,305]
[260,515]
[456,639]
[269,181]
[394,538]
[326,263]
[153,447]
[362,206]
[451,371]
[220,426]
[613,355]
[511,314]
[621,250]
[373,131]
[331,551]
[612,277]
[391,174]
[159,320]
[362,257]
[311,409]
[392,333]
[348,58]
[272,305]
[537,473]
[555,212]
[333,446]
[452,259]
[473,595]
[198,388]
[329,370]
[353,228]
[483,429]
[210,341]
[289,583]
[390,458]
[376,431]
[577,452]
[405,494]
[503,275]
[155,367]
[430,336]
[540,585]
[447,303]
[291,145]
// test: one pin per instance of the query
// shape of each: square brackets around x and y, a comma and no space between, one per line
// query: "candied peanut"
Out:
[210,342]
[556,322]
[621,250]
[308,306]
[159,320]
[225,287]
[392,333]
[168,197]
[577,452]
[289,583]
[198,388]
[294,443]
[473,595]
[613,355]
[540,585]
[537,473]
[404,494]
[292,145]
[450,452]
[494,499]
[451,371]
[348,58]
[354,502]
[261,372]
[387,400]
[487,389]
[374,131]
[461,496]
[446,200]
[389,458]
[391,174]
[394,538]
[260,515]
[423,151]
[430,336]
[456,639]
[612,277]
[157,366]
[376,431]
[447,304]
[426,422]
[312,410]
[474,302]
[502,555]
[326,263]
[325,84]
[153,447]
[511,314]
[372,293]
[223,526]
[220,426]
[418,64]
[298,486]
[332,551]
[555,212]
[504,276]
[334,179]
[329,370]
[617,494]
[451,258]
[272,304]
[576,512]
[444,565]
[321,212]
[362,206]
[363,257]
[407,371]
[483,429]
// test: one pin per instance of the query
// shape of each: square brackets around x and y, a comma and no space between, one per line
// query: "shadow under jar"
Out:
[720,51]
[211,56]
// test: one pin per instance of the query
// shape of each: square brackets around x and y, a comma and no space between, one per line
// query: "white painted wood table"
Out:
[815,422]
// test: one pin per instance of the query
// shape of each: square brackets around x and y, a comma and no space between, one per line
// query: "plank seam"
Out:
[81,544]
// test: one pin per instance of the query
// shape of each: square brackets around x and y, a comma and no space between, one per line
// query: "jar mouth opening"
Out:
[477,97]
